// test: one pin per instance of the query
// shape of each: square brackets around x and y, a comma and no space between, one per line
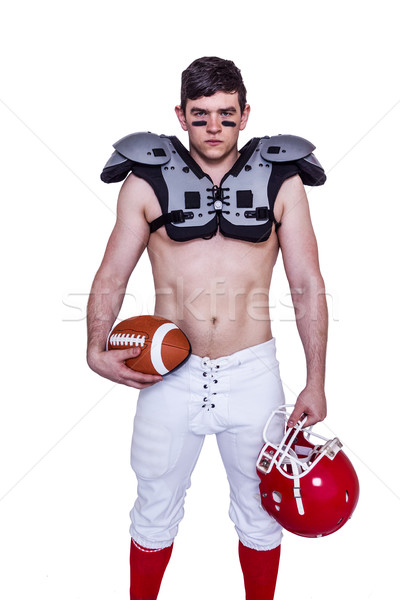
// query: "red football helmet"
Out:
[310,489]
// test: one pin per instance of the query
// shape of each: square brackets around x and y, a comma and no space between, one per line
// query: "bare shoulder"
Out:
[296,234]
[137,199]
[134,194]
[130,235]
[291,193]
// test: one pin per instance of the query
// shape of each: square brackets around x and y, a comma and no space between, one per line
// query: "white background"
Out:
[76,77]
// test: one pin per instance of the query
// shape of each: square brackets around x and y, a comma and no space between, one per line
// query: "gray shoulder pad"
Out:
[144,148]
[285,148]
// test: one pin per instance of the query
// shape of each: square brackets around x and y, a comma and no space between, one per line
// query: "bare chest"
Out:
[213,288]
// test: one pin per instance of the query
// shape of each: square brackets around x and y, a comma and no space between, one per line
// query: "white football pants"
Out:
[231,397]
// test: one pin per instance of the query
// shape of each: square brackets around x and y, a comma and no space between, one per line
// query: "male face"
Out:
[213,124]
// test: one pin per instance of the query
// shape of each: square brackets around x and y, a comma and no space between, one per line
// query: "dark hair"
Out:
[208,75]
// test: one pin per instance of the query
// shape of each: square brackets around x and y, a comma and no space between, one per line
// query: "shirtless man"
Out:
[210,286]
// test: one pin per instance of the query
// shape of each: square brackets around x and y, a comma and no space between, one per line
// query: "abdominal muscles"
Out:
[219,318]
[216,291]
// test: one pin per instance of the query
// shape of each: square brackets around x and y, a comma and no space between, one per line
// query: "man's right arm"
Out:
[126,244]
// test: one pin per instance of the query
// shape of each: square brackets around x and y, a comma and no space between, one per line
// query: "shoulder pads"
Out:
[145,148]
[282,149]
[285,148]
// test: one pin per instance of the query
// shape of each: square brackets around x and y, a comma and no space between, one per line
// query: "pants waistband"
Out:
[265,351]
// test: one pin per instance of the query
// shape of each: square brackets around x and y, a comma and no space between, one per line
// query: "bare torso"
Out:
[215,290]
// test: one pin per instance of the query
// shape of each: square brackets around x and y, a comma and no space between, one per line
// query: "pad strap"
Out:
[175,216]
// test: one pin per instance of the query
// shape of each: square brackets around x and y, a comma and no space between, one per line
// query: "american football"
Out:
[164,347]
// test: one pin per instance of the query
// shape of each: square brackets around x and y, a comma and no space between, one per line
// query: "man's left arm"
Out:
[300,258]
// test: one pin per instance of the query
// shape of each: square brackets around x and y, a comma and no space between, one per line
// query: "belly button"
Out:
[213,320]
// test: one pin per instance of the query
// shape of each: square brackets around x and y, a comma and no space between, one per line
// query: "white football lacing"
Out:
[125,339]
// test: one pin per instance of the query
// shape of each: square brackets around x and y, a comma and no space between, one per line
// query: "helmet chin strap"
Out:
[296,486]
[289,458]
[296,473]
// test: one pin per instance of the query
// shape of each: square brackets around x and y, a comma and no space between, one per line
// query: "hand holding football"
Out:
[163,346]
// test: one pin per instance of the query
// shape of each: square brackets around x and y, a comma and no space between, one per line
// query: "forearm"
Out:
[104,304]
[105,300]
[312,323]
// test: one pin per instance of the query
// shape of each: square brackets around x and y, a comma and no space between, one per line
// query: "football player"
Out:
[212,219]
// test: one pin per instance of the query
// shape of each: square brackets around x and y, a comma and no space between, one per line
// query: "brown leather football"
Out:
[164,346]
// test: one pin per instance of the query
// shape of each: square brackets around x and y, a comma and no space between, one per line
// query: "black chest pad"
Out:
[193,207]
[241,207]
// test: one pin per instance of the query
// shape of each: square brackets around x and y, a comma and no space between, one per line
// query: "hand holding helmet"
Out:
[310,488]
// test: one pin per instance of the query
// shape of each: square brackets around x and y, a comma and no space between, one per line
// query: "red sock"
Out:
[147,570]
[260,570]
